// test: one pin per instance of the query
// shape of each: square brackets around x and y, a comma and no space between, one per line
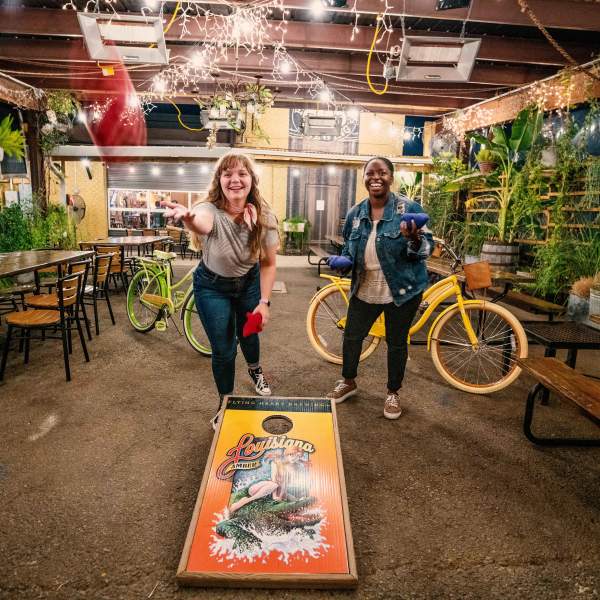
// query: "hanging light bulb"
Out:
[325,95]
[353,113]
[285,67]
[407,135]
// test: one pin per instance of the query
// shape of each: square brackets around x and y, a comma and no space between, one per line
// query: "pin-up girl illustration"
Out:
[285,470]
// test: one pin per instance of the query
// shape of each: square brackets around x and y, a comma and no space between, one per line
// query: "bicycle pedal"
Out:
[161,325]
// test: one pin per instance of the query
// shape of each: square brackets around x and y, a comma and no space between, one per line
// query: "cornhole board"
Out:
[272,508]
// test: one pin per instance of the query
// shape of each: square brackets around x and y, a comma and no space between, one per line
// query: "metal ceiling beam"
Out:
[326,36]
[74,52]
[557,14]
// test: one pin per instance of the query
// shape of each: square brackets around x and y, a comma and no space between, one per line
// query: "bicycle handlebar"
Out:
[456,260]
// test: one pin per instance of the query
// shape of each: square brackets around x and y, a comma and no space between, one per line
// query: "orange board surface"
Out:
[272,505]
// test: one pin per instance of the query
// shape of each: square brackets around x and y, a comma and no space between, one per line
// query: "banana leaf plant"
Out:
[509,153]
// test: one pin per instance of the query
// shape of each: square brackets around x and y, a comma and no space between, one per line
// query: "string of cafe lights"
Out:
[248,29]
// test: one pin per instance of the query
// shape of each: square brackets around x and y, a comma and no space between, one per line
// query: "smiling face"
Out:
[236,182]
[377,179]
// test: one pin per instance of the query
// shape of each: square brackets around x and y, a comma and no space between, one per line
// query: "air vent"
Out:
[322,125]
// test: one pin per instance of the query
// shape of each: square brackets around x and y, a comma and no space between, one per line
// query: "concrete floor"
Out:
[98,477]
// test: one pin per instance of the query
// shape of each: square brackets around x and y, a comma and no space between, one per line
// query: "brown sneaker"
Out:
[342,391]
[391,408]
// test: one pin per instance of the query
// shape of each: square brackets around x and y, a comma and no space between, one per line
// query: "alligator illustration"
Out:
[267,516]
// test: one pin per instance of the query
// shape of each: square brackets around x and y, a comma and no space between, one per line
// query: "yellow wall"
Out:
[376,138]
[94,192]
[273,176]
[273,187]
[275,124]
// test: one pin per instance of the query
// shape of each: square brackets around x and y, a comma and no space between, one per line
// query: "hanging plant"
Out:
[258,99]
[57,120]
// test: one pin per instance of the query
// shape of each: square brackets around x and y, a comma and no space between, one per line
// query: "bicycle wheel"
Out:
[142,315]
[325,324]
[192,326]
[489,368]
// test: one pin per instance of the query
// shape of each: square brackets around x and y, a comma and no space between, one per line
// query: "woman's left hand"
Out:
[410,232]
[263,309]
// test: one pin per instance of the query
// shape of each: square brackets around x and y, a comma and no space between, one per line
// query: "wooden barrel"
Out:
[502,257]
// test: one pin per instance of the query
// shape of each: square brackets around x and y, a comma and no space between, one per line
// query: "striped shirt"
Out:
[226,249]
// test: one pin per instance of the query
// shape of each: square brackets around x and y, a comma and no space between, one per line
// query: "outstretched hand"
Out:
[177,212]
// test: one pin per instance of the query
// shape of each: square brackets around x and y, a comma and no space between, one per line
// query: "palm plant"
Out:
[12,141]
[509,153]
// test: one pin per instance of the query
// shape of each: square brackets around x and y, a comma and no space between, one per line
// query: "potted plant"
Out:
[296,231]
[578,307]
[509,152]
[12,141]
[485,160]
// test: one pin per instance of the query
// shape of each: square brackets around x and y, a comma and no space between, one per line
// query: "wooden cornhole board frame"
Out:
[207,560]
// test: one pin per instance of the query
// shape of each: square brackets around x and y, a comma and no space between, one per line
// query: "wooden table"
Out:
[15,263]
[131,241]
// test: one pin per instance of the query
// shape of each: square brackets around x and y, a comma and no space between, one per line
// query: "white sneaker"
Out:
[215,420]
[261,385]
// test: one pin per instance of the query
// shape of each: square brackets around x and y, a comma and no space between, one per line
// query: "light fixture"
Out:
[81,117]
[127,39]
[132,170]
[331,170]
[285,67]
[180,171]
[86,164]
[407,135]
[317,8]
[295,172]
[197,59]
[204,169]
[353,113]
[428,58]
[375,123]
[155,171]
[325,95]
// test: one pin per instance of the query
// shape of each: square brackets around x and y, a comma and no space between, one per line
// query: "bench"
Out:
[321,254]
[554,375]
[533,305]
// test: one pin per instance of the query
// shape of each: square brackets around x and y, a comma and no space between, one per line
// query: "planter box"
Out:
[293,227]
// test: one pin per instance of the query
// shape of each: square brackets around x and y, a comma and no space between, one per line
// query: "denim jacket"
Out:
[403,265]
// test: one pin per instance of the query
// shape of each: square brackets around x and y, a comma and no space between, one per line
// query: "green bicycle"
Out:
[153,298]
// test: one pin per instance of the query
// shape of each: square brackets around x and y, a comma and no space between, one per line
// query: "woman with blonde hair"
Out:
[238,234]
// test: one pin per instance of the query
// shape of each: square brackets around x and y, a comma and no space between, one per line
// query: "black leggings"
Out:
[398,319]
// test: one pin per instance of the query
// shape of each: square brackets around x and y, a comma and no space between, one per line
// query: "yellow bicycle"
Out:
[473,342]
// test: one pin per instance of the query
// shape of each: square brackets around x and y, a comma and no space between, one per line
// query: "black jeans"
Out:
[398,319]
[222,304]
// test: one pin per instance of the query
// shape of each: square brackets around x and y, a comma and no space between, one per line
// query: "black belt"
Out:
[217,276]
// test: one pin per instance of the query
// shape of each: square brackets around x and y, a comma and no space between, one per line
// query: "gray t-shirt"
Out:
[226,249]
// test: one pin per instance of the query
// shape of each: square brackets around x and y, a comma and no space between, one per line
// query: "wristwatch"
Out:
[265,301]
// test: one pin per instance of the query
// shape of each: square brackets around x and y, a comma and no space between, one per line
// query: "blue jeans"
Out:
[222,304]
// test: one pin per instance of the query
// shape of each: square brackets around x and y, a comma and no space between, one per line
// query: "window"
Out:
[139,209]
